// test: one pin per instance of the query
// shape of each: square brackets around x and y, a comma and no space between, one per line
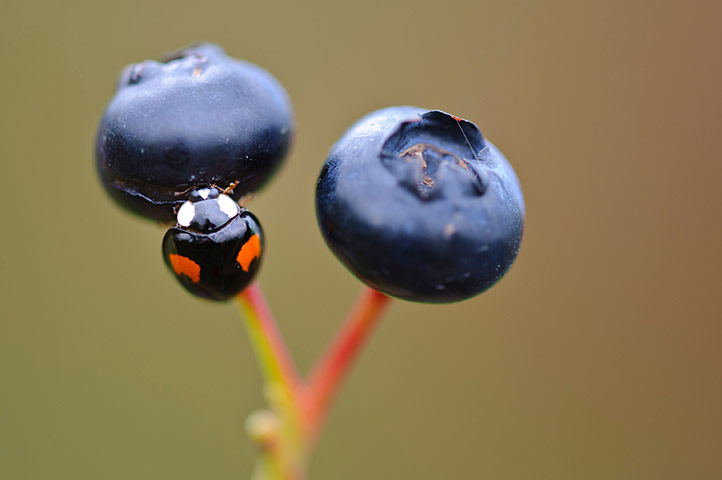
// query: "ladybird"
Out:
[215,249]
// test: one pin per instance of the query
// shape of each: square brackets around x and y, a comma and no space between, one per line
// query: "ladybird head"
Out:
[207,210]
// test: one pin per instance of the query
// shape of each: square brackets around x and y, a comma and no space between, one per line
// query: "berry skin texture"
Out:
[418,205]
[200,118]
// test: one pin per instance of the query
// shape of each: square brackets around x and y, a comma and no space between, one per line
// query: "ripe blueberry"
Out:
[420,206]
[215,250]
[200,118]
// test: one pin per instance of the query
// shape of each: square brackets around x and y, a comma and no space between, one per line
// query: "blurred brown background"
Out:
[597,357]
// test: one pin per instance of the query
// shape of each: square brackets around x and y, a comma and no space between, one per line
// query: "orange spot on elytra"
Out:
[250,250]
[185,266]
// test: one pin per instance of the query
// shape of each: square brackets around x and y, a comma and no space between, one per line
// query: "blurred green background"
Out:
[597,357]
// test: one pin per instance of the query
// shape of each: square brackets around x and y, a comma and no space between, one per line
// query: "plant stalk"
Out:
[288,430]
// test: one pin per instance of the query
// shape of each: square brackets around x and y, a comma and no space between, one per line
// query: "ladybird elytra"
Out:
[185,266]
[249,251]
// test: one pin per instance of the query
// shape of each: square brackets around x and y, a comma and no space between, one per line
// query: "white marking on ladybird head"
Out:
[186,213]
[228,206]
[203,192]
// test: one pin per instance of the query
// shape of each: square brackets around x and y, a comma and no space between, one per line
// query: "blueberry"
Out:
[200,118]
[418,205]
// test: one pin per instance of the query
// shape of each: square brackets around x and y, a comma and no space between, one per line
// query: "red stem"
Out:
[308,402]
[254,295]
[332,368]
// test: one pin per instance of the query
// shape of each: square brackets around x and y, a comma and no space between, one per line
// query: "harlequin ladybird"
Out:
[215,249]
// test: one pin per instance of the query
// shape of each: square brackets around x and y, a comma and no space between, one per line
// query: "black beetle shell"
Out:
[220,275]
[202,118]
[441,240]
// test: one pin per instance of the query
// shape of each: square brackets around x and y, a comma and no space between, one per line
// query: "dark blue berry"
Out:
[200,118]
[418,205]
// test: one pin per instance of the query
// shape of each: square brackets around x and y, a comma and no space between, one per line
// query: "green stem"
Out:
[287,432]
[271,350]
[280,435]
